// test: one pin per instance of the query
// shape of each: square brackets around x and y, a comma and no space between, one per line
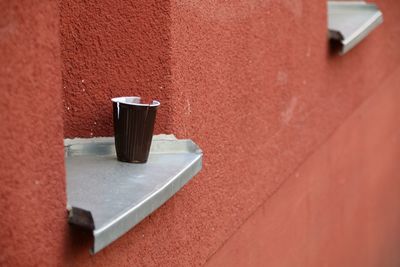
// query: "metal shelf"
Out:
[110,197]
[350,22]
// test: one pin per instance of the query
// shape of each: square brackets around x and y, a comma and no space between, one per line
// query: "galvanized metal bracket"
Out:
[109,197]
[349,22]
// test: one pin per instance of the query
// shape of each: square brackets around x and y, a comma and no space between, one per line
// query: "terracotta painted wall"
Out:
[341,206]
[32,180]
[253,83]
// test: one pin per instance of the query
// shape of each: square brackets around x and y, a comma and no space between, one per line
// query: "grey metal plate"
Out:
[349,22]
[110,197]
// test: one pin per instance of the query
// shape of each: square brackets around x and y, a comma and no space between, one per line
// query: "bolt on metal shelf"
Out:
[349,22]
[109,197]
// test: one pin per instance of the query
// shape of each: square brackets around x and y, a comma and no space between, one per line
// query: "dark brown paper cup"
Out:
[133,128]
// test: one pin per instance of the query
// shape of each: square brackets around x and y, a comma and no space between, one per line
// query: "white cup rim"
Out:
[134,101]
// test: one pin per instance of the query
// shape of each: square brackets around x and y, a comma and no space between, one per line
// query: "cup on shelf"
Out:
[133,128]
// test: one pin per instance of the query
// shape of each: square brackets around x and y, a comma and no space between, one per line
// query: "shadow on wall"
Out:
[77,242]
[334,48]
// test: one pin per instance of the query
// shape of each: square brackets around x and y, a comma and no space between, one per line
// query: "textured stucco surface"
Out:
[32,191]
[251,82]
[341,206]
[109,49]
[254,85]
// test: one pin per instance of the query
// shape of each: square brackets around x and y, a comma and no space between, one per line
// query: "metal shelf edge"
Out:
[106,235]
[350,22]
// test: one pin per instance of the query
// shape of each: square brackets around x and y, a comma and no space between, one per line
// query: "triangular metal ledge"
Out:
[350,22]
[109,197]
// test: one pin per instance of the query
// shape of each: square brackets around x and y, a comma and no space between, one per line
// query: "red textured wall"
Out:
[341,206]
[32,185]
[254,85]
[113,48]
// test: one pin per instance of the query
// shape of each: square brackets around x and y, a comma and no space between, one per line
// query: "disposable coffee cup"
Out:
[133,128]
